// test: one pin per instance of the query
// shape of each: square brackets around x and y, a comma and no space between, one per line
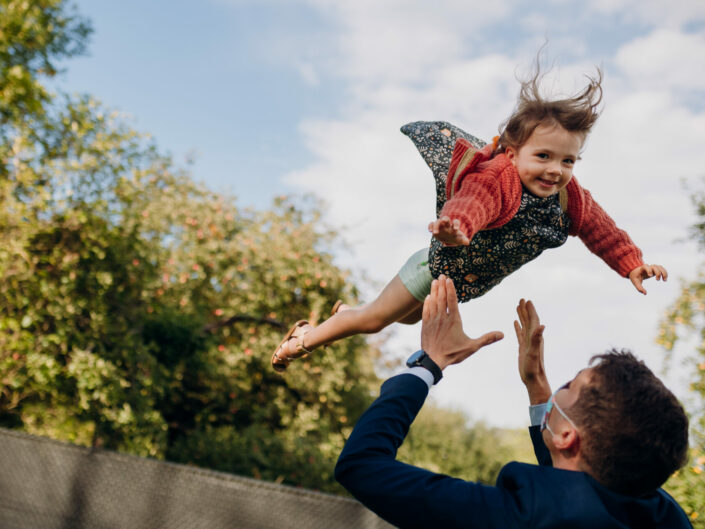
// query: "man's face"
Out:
[565,398]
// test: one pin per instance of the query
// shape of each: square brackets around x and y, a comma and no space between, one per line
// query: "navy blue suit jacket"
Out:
[524,495]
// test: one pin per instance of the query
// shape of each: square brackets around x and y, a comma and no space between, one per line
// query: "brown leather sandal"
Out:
[280,361]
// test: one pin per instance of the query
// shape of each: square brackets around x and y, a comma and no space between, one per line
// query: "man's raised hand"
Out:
[531,367]
[442,335]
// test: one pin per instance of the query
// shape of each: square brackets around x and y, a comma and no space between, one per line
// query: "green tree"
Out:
[34,37]
[686,318]
[138,310]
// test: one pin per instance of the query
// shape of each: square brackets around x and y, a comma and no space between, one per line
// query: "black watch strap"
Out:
[421,359]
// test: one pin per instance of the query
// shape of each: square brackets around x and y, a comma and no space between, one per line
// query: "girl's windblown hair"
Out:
[575,114]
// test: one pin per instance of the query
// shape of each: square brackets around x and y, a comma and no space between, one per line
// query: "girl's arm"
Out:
[481,194]
[602,237]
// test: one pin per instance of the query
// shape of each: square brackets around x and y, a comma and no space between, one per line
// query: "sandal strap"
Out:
[281,359]
[300,347]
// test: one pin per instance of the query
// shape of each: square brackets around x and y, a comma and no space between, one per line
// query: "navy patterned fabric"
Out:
[435,141]
[492,255]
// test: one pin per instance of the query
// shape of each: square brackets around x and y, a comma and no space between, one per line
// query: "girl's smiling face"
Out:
[545,162]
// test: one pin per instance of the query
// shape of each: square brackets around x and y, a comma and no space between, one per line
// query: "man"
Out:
[608,440]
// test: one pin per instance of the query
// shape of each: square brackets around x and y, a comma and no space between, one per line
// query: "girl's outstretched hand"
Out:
[448,232]
[646,271]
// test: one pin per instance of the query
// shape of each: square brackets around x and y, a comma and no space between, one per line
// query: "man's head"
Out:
[632,433]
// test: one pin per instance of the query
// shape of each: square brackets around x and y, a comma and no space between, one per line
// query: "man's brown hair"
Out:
[575,114]
[633,430]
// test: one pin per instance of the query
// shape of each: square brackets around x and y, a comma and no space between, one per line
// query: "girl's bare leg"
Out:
[395,303]
[413,317]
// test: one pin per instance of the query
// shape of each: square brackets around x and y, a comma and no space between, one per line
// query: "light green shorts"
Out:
[416,275]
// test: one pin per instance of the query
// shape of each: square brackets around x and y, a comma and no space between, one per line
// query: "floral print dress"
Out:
[493,254]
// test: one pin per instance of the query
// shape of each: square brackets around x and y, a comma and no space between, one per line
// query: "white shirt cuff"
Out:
[421,372]
[536,413]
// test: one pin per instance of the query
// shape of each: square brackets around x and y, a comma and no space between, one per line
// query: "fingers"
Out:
[521,312]
[474,345]
[659,272]
[439,225]
[537,335]
[664,273]
[441,298]
[452,296]
[636,281]
[432,299]
[645,271]
[489,338]
[531,313]
[518,330]
[528,317]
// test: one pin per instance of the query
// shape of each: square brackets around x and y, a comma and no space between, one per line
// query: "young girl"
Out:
[498,208]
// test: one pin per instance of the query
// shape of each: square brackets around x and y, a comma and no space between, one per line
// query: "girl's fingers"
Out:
[636,281]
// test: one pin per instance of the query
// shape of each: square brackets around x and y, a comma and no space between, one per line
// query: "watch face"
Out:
[415,358]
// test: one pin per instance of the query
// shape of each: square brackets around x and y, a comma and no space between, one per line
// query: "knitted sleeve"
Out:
[602,237]
[482,194]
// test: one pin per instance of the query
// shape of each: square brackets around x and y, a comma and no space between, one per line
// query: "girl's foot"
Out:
[292,346]
[339,307]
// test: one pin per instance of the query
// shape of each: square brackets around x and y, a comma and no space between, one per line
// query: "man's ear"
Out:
[567,440]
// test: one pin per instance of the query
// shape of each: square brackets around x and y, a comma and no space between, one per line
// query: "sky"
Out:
[272,97]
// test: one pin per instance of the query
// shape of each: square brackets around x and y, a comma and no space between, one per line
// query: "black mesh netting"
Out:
[52,485]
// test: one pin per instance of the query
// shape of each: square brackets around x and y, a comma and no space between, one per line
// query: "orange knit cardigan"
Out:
[487,193]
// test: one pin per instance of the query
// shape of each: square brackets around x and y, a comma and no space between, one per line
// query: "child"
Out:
[499,207]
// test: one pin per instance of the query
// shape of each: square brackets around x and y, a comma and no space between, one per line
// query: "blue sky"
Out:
[278,96]
[208,80]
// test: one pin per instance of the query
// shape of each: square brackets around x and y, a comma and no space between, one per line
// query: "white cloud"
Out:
[308,73]
[401,40]
[665,58]
[652,12]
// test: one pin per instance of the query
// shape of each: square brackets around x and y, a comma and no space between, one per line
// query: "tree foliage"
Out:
[138,310]
[686,318]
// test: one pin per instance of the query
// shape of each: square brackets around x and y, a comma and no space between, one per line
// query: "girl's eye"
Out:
[569,161]
[542,155]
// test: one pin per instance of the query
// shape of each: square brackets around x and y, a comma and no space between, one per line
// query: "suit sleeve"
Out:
[408,496]
[543,456]
[602,237]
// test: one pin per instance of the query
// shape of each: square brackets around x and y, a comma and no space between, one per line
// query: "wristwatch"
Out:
[420,358]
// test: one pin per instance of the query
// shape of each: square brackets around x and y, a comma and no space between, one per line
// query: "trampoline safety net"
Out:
[47,484]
